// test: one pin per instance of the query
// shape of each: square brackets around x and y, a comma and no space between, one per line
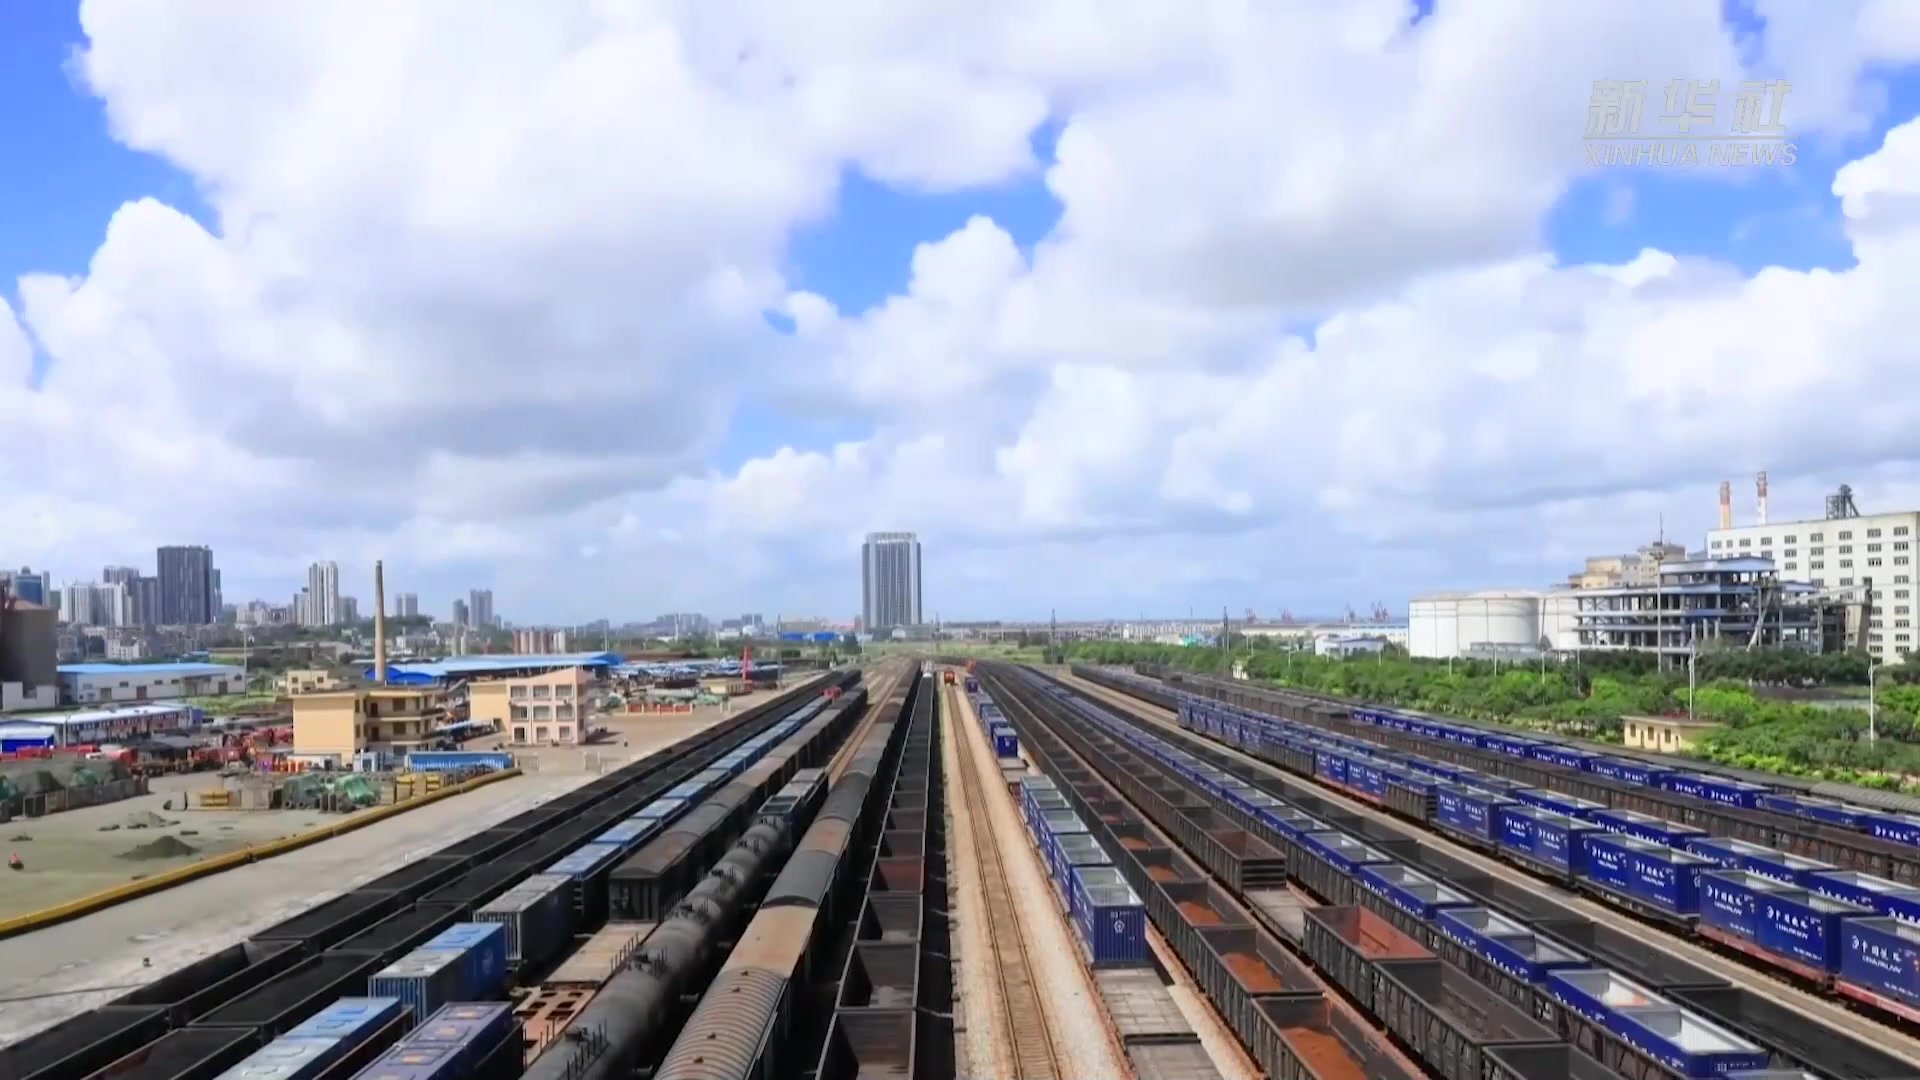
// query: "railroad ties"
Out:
[294,973]
[1288,1019]
[1024,1014]
[1455,905]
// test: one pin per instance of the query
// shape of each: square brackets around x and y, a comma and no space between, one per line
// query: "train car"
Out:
[1652,866]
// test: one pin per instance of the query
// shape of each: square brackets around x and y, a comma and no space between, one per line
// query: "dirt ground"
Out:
[71,854]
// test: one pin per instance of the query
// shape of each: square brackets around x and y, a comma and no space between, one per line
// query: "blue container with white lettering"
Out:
[1646,827]
[1883,957]
[1560,842]
[1469,812]
[1516,828]
[1883,896]
[1730,902]
[1805,927]
[1610,860]
[1506,944]
[1410,890]
[1899,828]
[1668,879]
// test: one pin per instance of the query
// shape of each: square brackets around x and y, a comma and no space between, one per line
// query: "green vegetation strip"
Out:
[1759,697]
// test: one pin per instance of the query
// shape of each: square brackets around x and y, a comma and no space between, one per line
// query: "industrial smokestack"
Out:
[1761,484]
[379,624]
[1726,504]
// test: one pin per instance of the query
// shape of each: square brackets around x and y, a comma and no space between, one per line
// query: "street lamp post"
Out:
[1872,732]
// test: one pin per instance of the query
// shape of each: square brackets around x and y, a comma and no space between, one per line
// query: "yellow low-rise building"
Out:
[1663,734]
[550,708]
[307,681]
[338,724]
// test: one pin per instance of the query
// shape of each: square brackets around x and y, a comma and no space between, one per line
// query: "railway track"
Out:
[1868,1030]
[892,675]
[1034,1053]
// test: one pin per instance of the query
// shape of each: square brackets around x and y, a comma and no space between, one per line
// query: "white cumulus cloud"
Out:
[480,297]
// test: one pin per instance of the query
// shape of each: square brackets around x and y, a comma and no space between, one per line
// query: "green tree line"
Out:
[1760,698]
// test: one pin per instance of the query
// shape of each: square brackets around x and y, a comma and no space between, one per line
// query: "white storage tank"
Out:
[1447,625]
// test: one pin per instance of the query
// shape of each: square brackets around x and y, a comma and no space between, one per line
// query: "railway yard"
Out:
[920,872]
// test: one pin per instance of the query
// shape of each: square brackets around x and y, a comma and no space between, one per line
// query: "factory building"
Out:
[1864,561]
[88,684]
[1700,604]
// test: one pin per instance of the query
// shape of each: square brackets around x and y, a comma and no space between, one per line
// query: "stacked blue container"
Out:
[461,1040]
[325,1040]
[466,962]
[538,916]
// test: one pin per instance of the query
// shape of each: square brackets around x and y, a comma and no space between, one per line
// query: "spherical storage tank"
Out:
[1450,624]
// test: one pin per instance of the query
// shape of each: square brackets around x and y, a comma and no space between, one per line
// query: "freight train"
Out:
[1516,959]
[1851,934]
[268,989]
[1872,839]
[743,1027]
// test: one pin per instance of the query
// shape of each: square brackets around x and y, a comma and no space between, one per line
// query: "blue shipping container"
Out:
[628,833]
[1883,957]
[1469,811]
[1006,746]
[441,760]
[425,979]
[586,861]
[1805,927]
[1610,860]
[1899,828]
[428,1061]
[474,1026]
[1560,842]
[1730,902]
[1668,879]
[483,946]
[1505,944]
[351,1020]
[1113,923]
[1646,827]
[538,915]
[1343,851]
[289,1058]
[1879,894]
[1516,828]
[1409,890]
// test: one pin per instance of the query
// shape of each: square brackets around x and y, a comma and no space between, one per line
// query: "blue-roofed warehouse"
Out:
[495,666]
[93,684]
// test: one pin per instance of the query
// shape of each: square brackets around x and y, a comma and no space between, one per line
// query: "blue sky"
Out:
[72,175]
[76,174]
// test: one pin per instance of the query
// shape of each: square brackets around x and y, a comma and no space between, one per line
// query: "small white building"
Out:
[117,725]
[1342,646]
[88,684]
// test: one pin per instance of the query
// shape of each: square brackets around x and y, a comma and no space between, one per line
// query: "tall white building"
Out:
[1844,552]
[85,603]
[890,580]
[406,605]
[323,595]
